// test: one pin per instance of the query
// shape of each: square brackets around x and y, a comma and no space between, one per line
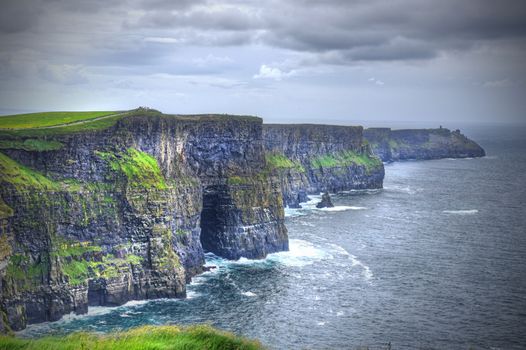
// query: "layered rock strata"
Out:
[125,212]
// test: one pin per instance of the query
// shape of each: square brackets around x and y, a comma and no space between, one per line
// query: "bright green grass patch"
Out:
[79,271]
[346,158]
[23,177]
[140,168]
[280,161]
[65,248]
[45,119]
[142,338]
[31,145]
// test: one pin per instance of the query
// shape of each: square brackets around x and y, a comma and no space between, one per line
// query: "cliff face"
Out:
[124,213]
[392,145]
[315,158]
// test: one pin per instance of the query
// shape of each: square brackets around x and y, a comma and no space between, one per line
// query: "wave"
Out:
[343,208]
[294,212]
[402,189]
[338,249]
[249,294]
[301,253]
[366,271]
[461,212]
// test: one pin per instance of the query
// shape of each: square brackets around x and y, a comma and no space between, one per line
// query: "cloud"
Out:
[19,15]
[63,74]
[499,84]
[267,72]
[376,81]
[212,60]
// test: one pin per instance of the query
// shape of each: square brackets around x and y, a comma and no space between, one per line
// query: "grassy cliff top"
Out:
[47,119]
[59,123]
[146,337]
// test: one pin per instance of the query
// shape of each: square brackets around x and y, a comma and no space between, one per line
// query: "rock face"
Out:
[325,201]
[310,159]
[125,212]
[124,208]
[392,145]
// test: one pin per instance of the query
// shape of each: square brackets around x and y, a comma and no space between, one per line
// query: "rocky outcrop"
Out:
[318,158]
[125,212]
[392,145]
[325,201]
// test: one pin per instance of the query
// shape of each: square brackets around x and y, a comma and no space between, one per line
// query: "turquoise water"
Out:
[435,260]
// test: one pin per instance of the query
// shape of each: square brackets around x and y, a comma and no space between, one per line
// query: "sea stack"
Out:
[325,201]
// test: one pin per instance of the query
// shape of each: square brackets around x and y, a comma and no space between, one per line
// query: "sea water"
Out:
[435,260]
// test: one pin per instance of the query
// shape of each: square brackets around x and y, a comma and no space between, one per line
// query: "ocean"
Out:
[434,260]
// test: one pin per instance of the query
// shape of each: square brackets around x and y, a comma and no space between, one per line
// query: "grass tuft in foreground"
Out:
[146,337]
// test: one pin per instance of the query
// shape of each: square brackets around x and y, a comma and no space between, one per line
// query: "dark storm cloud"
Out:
[351,30]
[338,31]
[18,15]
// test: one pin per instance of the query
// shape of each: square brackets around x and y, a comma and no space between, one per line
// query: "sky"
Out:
[333,61]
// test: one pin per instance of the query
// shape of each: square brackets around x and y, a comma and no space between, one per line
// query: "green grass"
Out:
[142,338]
[78,270]
[345,159]
[22,126]
[46,119]
[31,145]
[140,168]
[22,177]
[280,161]
[73,249]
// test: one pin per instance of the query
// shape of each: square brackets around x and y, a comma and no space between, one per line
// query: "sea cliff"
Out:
[309,159]
[103,215]
[123,206]
[392,145]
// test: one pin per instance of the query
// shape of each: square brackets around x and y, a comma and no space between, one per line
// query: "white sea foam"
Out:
[293,212]
[249,294]
[340,250]
[343,208]
[366,271]
[190,294]
[136,302]
[301,253]
[461,212]
[403,189]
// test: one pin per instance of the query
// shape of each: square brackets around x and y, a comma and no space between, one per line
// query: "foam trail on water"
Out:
[343,208]
[366,271]
[461,212]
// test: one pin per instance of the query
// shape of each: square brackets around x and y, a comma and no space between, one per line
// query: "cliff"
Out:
[392,145]
[309,158]
[107,207]
[122,208]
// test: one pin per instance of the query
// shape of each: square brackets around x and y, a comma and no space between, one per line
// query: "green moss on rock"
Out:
[22,177]
[280,161]
[139,168]
[345,159]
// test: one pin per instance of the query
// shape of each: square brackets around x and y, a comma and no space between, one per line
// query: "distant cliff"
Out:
[105,212]
[311,158]
[392,145]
